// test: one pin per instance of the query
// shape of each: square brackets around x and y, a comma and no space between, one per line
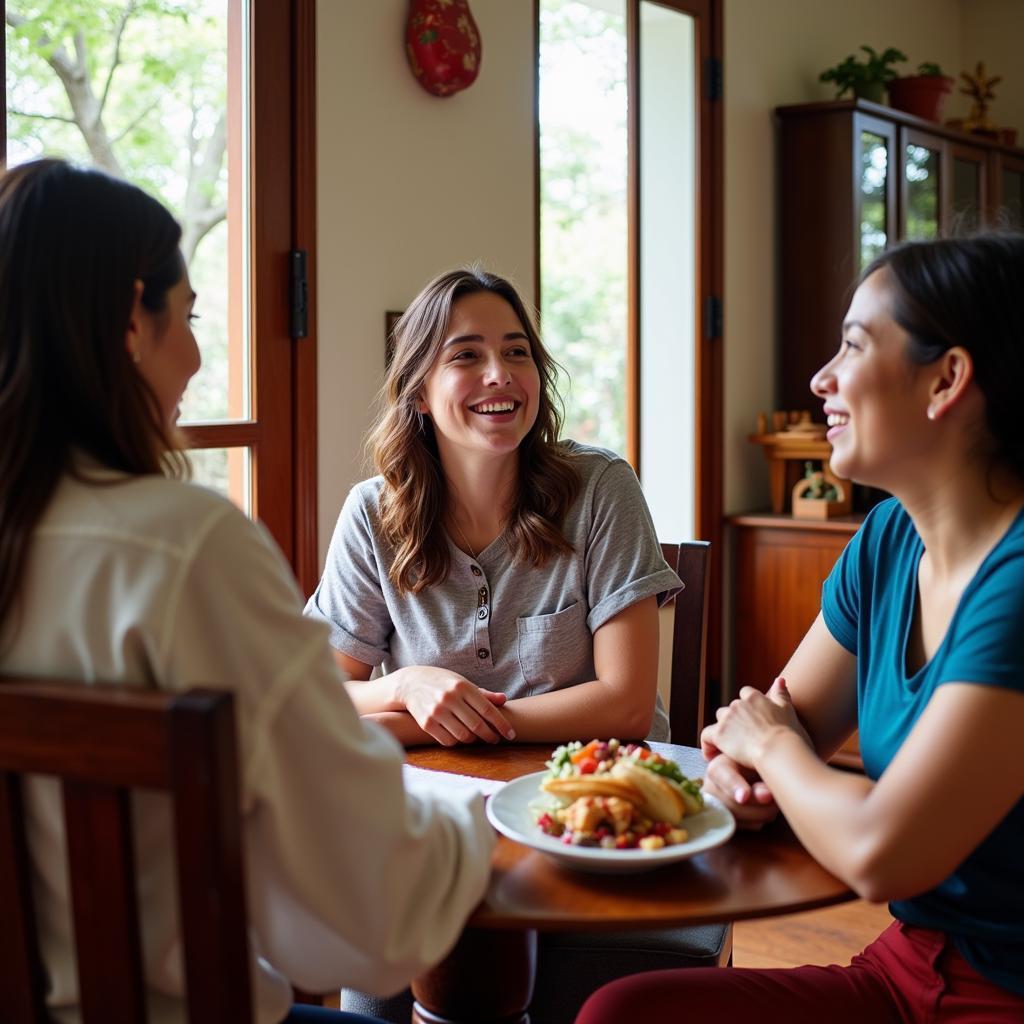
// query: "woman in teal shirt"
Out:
[920,643]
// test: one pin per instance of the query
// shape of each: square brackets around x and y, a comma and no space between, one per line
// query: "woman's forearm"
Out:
[403,727]
[372,696]
[827,808]
[582,712]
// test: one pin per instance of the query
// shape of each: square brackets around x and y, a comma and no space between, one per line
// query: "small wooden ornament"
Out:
[807,507]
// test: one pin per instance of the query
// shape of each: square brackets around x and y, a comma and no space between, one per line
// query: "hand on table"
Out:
[741,790]
[451,709]
[733,744]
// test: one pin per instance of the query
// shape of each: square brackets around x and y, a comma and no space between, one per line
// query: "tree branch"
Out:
[42,117]
[58,58]
[136,121]
[116,59]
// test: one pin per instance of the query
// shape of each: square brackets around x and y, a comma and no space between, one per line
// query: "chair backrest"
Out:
[101,743]
[689,640]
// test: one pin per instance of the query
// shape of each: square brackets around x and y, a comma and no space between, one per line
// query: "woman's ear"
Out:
[133,336]
[953,373]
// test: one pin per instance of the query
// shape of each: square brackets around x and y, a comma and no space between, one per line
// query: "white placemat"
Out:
[423,780]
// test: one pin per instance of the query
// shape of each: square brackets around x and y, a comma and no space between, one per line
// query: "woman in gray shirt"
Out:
[507,582]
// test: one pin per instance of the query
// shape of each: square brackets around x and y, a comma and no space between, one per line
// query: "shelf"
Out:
[840,524]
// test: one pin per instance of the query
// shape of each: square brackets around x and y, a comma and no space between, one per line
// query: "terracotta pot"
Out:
[921,95]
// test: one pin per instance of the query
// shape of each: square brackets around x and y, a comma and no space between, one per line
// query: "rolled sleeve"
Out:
[624,563]
[349,597]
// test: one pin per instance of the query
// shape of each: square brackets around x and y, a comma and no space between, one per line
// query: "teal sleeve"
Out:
[848,588]
[840,595]
[986,643]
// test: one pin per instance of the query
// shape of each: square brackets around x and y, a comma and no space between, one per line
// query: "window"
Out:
[196,101]
[628,130]
[629,126]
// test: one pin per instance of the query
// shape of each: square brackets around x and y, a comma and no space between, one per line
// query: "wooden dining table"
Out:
[488,976]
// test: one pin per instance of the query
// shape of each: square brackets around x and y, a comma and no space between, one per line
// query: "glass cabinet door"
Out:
[1011,198]
[965,176]
[920,174]
[873,168]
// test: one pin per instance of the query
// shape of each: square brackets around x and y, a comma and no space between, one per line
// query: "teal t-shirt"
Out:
[867,603]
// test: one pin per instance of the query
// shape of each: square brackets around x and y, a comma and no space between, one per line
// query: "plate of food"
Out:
[611,808]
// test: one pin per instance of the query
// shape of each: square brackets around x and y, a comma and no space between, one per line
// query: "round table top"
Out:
[755,874]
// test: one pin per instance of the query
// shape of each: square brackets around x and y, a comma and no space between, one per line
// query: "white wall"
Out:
[409,185]
[993,31]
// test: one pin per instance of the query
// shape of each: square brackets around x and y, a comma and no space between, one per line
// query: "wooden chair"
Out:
[689,640]
[101,743]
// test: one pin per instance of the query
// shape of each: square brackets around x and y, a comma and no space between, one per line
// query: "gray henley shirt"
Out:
[509,627]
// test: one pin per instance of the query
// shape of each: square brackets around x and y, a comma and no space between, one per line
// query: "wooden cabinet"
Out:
[780,563]
[854,177]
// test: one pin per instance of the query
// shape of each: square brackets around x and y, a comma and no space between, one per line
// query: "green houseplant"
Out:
[923,94]
[866,78]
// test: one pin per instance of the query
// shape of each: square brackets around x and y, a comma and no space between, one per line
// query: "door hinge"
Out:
[715,83]
[712,317]
[299,294]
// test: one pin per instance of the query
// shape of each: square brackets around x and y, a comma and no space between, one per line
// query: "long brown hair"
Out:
[415,494]
[73,242]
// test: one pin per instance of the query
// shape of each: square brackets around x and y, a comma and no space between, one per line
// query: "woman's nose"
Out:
[823,383]
[496,372]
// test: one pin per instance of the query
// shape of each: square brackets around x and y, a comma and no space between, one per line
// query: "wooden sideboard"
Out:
[779,566]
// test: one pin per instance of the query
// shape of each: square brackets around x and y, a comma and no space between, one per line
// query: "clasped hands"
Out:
[451,709]
[734,744]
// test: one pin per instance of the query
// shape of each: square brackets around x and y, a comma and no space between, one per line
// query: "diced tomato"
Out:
[588,766]
[600,832]
[660,828]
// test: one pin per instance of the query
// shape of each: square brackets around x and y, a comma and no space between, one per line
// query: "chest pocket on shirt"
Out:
[555,650]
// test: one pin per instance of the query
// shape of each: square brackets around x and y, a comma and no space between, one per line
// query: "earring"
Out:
[931,412]
[136,358]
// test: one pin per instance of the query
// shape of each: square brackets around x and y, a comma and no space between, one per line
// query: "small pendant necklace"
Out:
[469,546]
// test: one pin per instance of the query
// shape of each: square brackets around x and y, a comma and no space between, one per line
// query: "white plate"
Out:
[509,811]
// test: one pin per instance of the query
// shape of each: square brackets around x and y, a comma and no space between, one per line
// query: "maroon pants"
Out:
[907,975]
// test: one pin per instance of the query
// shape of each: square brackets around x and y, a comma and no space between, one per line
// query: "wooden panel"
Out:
[817,242]
[778,595]
[779,569]
[101,864]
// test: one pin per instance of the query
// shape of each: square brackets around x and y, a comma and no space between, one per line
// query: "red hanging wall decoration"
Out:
[443,45]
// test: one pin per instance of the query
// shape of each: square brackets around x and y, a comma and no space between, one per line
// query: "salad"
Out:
[616,796]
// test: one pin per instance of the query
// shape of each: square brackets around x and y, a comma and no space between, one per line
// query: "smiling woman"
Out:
[917,645]
[506,581]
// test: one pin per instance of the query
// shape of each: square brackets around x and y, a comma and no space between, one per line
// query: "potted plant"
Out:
[923,94]
[865,78]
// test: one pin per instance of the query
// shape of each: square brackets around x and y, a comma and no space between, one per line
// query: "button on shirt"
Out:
[502,624]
